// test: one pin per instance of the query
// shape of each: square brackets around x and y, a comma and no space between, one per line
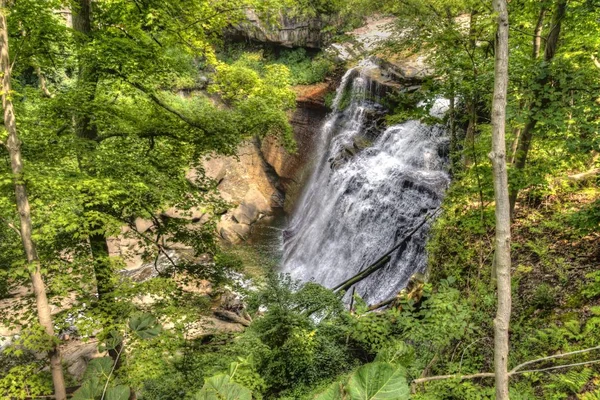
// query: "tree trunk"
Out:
[537,33]
[455,154]
[469,147]
[498,156]
[86,129]
[14,148]
[520,156]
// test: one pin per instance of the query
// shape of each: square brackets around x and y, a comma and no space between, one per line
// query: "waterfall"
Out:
[369,188]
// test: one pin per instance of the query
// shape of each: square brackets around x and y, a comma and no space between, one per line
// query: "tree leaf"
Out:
[145,326]
[120,392]
[98,368]
[89,390]
[333,392]
[377,381]
[220,387]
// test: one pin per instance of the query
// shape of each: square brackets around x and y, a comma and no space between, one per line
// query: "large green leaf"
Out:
[89,390]
[120,392]
[98,368]
[145,326]
[220,387]
[333,392]
[377,381]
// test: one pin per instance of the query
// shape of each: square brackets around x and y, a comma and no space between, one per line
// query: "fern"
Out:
[590,395]
[572,381]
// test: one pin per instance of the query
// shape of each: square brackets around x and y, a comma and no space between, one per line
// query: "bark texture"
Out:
[14,148]
[502,240]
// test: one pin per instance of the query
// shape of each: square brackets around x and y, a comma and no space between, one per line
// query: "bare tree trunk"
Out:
[537,45]
[498,157]
[469,145]
[537,33]
[520,155]
[43,85]
[14,148]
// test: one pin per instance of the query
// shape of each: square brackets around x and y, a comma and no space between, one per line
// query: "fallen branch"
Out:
[383,303]
[231,316]
[454,376]
[555,356]
[383,260]
[517,370]
[585,175]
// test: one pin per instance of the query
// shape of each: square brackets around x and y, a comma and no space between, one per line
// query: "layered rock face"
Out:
[287,32]
[265,175]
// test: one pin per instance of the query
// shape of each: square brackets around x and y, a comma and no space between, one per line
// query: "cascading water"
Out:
[368,190]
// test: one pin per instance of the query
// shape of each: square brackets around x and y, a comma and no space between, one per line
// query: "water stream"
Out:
[369,188]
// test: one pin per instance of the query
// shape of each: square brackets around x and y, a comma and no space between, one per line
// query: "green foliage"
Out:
[221,387]
[592,288]
[304,68]
[371,381]
[333,392]
[378,381]
[571,382]
[24,381]
[99,381]
[299,351]
[145,326]
[544,296]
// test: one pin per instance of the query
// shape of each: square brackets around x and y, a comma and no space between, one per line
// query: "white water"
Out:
[353,212]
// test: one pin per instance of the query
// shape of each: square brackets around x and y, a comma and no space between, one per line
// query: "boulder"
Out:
[142,225]
[252,207]
[215,168]
[232,231]
[194,214]
[76,355]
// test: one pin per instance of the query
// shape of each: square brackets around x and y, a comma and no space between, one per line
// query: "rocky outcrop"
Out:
[250,187]
[309,116]
[400,69]
[286,31]
[264,175]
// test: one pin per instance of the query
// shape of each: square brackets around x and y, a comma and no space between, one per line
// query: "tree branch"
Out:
[160,102]
[562,355]
[160,247]
[11,226]
[517,370]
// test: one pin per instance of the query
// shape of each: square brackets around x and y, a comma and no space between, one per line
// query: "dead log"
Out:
[383,260]
[231,317]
